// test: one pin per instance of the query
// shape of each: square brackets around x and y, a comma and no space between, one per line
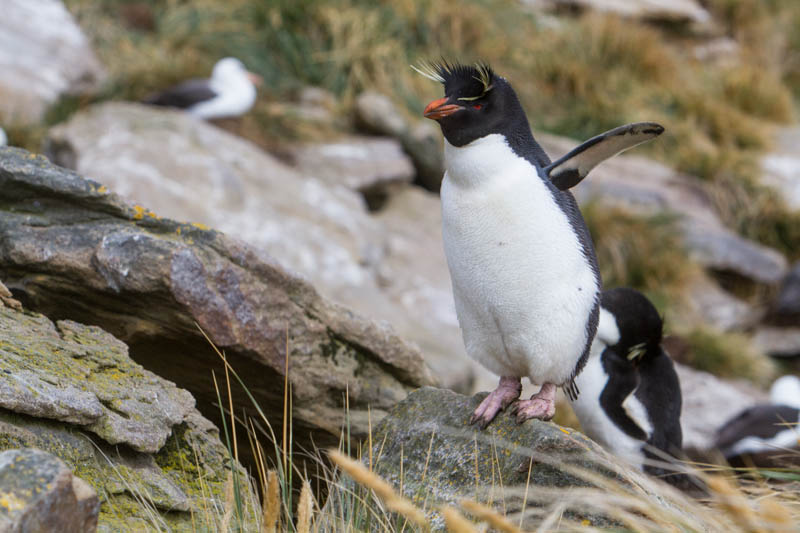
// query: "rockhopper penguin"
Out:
[522,265]
[630,401]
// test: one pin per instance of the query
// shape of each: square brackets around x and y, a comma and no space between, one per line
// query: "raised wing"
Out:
[184,95]
[569,170]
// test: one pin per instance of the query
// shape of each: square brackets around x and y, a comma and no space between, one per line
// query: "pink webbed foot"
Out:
[506,392]
[542,405]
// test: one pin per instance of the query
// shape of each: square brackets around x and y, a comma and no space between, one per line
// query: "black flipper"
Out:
[184,95]
[569,170]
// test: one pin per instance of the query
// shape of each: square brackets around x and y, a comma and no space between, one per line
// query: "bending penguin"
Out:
[762,435]
[630,400]
[522,265]
[230,92]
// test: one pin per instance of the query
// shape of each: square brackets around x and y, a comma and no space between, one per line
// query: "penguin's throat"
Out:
[479,161]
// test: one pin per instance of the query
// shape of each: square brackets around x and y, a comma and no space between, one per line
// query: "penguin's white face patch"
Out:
[607,329]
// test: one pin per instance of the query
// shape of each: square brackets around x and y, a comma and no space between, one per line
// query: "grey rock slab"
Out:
[72,248]
[675,11]
[183,168]
[368,165]
[786,308]
[40,495]
[43,55]
[83,376]
[712,305]
[778,341]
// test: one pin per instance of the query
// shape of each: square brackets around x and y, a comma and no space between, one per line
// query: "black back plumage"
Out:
[183,95]
[763,421]
[501,112]
[638,364]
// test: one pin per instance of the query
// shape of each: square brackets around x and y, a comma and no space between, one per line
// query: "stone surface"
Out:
[708,402]
[83,376]
[39,494]
[786,309]
[375,113]
[713,306]
[185,169]
[781,166]
[368,165]
[43,55]
[426,446]
[675,11]
[71,249]
[778,342]
[619,181]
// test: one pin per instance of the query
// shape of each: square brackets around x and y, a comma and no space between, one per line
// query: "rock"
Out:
[781,166]
[71,249]
[713,306]
[786,309]
[375,113]
[43,56]
[708,402]
[778,342]
[368,165]
[682,12]
[83,376]
[618,181]
[185,169]
[6,298]
[40,495]
[426,447]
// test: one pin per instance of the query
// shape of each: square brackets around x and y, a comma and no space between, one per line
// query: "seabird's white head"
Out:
[786,391]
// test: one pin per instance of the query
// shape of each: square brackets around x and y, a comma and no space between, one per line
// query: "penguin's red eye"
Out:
[476,106]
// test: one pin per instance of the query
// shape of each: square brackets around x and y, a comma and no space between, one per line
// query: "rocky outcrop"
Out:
[135,438]
[42,60]
[40,495]
[680,12]
[426,447]
[786,309]
[73,250]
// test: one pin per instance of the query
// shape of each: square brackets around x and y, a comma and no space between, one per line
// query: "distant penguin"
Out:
[630,396]
[766,434]
[230,92]
[522,265]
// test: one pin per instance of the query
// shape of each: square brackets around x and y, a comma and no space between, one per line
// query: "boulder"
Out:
[786,308]
[426,447]
[43,56]
[679,12]
[375,113]
[73,250]
[778,341]
[133,437]
[40,495]
[368,165]
[619,182]
[710,304]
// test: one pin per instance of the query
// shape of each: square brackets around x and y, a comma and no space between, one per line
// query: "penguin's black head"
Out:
[476,103]
[640,326]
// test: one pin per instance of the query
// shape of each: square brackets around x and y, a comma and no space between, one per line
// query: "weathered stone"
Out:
[713,306]
[188,170]
[684,12]
[786,309]
[368,165]
[708,402]
[39,494]
[426,446]
[781,166]
[43,55]
[777,341]
[82,375]
[375,113]
[71,249]
[619,181]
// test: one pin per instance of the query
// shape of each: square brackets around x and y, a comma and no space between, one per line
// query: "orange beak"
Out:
[255,78]
[440,109]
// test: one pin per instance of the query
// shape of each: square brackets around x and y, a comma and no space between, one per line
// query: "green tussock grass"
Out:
[728,355]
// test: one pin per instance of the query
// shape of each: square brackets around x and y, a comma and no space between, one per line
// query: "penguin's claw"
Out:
[506,392]
[542,405]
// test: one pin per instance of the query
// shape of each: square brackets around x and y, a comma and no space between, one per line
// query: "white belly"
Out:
[594,421]
[523,288]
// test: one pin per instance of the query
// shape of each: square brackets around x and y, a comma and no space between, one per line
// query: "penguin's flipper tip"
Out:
[570,170]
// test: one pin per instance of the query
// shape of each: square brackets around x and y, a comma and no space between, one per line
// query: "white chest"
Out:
[523,288]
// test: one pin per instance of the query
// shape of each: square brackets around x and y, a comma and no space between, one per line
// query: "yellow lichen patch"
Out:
[566,432]
[139,212]
[102,189]
[198,225]
[10,501]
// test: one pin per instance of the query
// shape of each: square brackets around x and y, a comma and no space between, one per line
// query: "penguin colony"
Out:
[525,278]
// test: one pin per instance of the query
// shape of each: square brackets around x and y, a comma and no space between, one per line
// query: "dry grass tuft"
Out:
[490,516]
[455,522]
[729,355]
[271,505]
[305,508]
